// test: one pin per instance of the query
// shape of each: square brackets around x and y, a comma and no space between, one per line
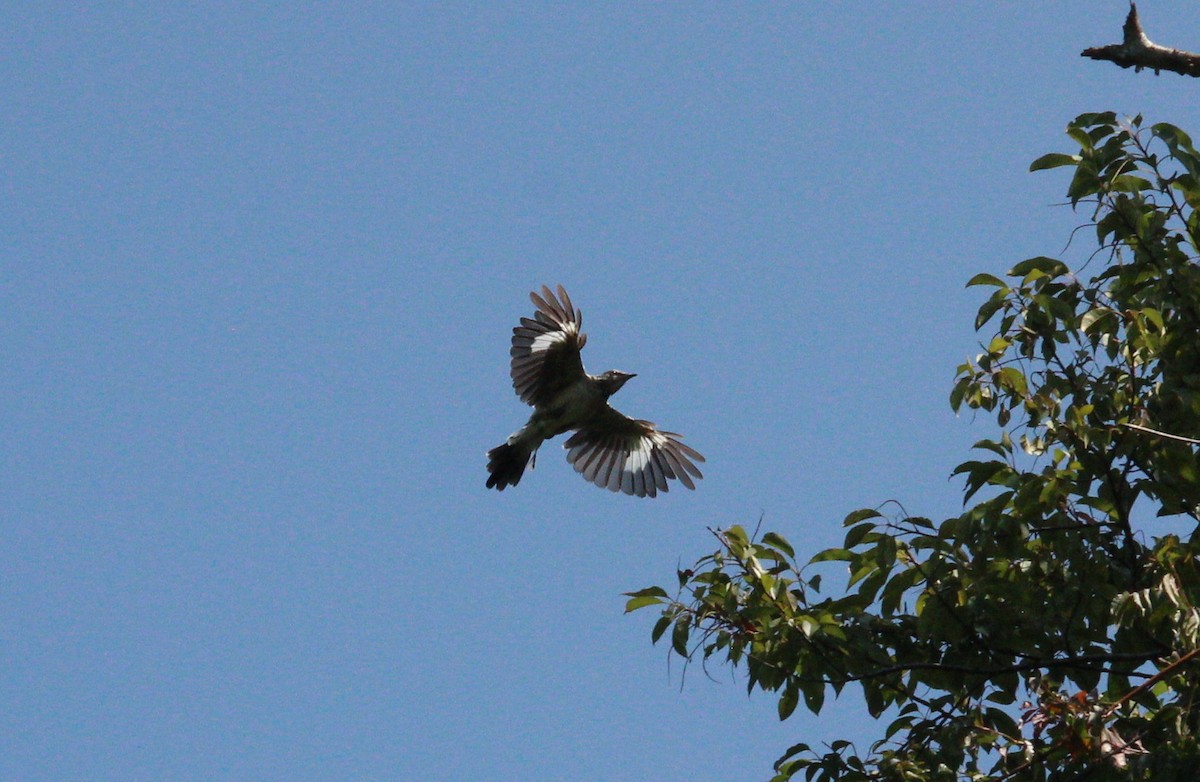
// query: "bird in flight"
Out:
[608,448]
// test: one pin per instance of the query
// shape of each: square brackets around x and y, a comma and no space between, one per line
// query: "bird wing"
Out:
[620,453]
[545,348]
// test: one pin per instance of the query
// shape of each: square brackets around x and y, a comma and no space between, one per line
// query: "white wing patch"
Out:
[545,348]
[639,465]
[544,342]
[637,459]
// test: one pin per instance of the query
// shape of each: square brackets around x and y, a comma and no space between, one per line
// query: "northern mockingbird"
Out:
[608,448]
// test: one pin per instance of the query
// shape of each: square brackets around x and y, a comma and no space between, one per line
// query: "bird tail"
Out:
[506,463]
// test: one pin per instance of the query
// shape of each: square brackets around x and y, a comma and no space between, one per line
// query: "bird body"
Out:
[608,448]
[578,403]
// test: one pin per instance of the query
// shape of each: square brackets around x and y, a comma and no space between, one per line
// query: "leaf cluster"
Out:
[1038,635]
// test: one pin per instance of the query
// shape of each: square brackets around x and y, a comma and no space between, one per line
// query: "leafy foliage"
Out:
[1038,635]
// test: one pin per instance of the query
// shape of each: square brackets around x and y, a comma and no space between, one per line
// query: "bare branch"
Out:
[1084,661]
[1164,673]
[1138,51]
[1168,435]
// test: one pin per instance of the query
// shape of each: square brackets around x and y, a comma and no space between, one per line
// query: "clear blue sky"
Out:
[260,264]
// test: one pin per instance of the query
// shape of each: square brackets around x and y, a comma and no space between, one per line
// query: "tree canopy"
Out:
[1049,631]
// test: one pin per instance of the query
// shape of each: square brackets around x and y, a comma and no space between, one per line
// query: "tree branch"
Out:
[1031,664]
[1167,435]
[1138,51]
[1164,673]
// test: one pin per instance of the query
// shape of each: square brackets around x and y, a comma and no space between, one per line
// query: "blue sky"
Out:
[260,265]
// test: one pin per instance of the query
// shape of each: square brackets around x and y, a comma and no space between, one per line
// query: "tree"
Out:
[1050,631]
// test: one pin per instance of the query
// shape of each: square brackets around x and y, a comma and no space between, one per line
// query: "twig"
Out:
[1168,435]
[1155,679]
[1030,664]
[1138,51]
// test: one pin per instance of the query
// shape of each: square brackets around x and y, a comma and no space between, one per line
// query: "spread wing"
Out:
[545,348]
[620,453]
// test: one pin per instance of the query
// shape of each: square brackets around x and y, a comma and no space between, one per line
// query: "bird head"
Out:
[612,380]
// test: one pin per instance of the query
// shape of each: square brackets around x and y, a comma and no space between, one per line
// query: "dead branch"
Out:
[1138,51]
[1168,435]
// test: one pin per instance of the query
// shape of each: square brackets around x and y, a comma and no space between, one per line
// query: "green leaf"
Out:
[868,590]
[1051,267]
[990,308]
[831,555]
[660,627]
[1086,182]
[861,514]
[855,535]
[958,392]
[998,345]
[862,569]
[894,590]
[792,752]
[1155,317]
[1089,119]
[993,446]
[1180,146]
[900,723]
[1093,316]
[737,538]
[654,591]
[1053,160]
[986,279]
[1130,184]
[1080,137]
[1002,721]
[788,700]
[777,542]
[641,601]
[1013,378]
[1002,696]
[679,636]
[980,474]
[814,696]
[874,697]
